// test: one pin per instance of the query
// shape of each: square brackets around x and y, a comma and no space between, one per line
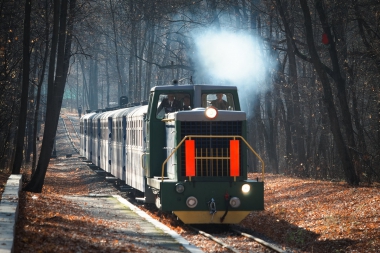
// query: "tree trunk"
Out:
[271,141]
[25,90]
[286,114]
[37,180]
[36,112]
[337,74]
[93,83]
[148,77]
[120,80]
[56,88]
[31,135]
[293,112]
[261,133]
[348,167]
[364,29]
[86,96]
[140,65]
[288,140]
[132,54]
[298,131]
[108,84]
[29,128]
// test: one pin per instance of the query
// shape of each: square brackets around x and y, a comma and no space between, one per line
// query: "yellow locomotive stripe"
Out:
[203,217]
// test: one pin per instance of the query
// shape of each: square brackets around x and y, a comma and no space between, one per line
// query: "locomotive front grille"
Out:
[212,153]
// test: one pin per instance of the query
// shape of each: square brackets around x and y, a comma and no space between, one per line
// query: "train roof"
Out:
[193,87]
[88,115]
[105,115]
[130,111]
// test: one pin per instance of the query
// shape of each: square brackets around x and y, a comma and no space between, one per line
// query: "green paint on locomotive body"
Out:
[212,182]
[205,191]
[156,136]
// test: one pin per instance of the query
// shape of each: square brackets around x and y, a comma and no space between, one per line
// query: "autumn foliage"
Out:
[319,216]
[305,215]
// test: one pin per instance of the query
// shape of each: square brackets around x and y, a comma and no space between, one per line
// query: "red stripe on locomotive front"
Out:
[190,158]
[234,158]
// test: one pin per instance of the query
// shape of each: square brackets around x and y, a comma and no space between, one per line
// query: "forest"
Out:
[306,72]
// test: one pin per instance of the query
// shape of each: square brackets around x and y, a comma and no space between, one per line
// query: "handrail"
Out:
[212,136]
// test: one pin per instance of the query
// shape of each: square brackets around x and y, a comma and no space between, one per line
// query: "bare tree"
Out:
[25,90]
[62,37]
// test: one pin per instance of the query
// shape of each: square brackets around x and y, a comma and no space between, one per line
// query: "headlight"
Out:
[179,188]
[235,202]
[245,188]
[191,202]
[211,112]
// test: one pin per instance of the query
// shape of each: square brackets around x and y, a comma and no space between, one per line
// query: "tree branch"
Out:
[174,66]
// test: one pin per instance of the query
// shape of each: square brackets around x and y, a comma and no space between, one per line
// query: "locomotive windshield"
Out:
[172,102]
[222,101]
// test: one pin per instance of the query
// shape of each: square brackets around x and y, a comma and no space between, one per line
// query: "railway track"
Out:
[71,132]
[229,239]
[220,238]
[75,125]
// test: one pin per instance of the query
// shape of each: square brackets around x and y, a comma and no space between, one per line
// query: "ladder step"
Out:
[125,188]
[100,172]
[111,178]
[140,200]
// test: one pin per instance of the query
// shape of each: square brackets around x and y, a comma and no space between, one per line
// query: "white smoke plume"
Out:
[232,58]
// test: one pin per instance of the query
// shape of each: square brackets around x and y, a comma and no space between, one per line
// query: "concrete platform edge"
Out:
[9,212]
[177,237]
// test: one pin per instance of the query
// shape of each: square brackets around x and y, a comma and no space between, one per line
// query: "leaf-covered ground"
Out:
[319,216]
[306,215]
[48,222]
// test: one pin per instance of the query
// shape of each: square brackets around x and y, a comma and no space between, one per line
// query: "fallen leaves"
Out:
[50,223]
[308,215]
[303,213]
[53,224]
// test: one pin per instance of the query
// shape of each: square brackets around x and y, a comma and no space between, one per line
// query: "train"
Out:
[188,159]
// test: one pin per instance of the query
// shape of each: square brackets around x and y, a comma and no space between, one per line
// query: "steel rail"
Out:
[75,130]
[267,244]
[68,133]
[256,239]
[215,239]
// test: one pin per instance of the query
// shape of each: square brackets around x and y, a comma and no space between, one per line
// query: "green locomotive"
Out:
[197,164]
